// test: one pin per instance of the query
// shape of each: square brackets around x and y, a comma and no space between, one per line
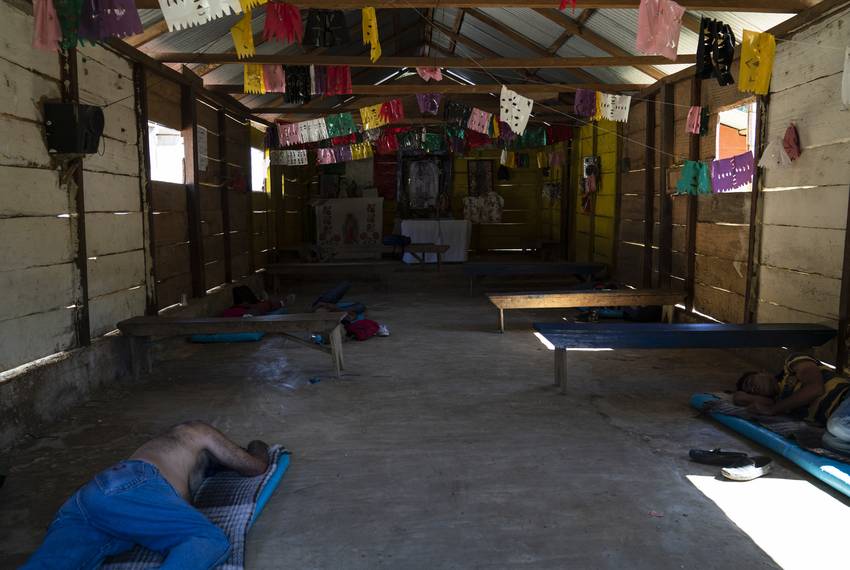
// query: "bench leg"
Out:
[140,357]
[336,349]
[561,369]
[667,313]
[501,320]
[439,261]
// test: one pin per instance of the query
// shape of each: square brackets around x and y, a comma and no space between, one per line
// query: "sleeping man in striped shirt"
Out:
[806,389]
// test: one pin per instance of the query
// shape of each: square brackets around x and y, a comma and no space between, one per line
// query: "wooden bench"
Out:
[656,335]
[583,271]
[139,331]
[591,298]
[368,271]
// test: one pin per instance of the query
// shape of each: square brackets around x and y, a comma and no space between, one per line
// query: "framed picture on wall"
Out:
[480,177]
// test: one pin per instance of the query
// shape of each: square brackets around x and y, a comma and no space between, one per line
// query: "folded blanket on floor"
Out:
[230,501]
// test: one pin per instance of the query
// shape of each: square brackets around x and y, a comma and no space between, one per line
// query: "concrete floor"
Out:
[445,446]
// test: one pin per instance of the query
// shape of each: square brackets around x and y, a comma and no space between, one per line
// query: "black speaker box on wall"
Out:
[73,128]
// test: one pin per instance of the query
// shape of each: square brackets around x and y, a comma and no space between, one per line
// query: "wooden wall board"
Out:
[111,193]
[240,265]
[629,268]
[213,248]
[728,208]
[171,227]
[797,64]
[721,305]
[721,273]
[170,291]
[23,92]
[26,148]
[211,223]
[814,294]
[770,313]
[29,242]
[171,260]
[35,336]
[815,111]
[822,166]
[164,101]
[726,242]
[679,210]
[168,197]
[31,192]
[821,207]
[810,250]
[107,311]
[632,208]
[111,233]
[15,38]
[631,231]
[36,290]
[213,274]
[116,158]
[116,272]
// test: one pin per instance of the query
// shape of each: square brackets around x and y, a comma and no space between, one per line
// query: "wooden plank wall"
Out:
[211,185]
[38,277]
[804,207]
[632,218]
[115,239]
[237,185]
[262,239]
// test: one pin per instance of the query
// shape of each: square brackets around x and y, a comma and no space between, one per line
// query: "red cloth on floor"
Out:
[362,329]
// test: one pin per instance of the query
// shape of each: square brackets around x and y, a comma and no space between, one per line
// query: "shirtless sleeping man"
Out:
[146,500]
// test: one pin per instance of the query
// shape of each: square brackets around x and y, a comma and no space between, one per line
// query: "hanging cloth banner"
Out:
[392,111]
[791,142]
[429,73]
[433,142]
[565,3]
[253,82]
[297,84]
[429,103]
[325,156]
[371,118]
[480,121]
[289,134]
[774,155]
[370,33]
[716,51]
[46,34]
[359,151]
[457,114]
[343,153]
[659,27]
[182,14]
[338,80]
[597,115]
[845,81]
[313,131]
[585,102]
[248,4]
[514,109]
[694,179]
[694,120]
[495,130]
[102,19]
[387,143]
[616,107]
[757,53]
[340,125]
[283,23]
[68,12]
[325,28]
[274,78]
[288,157]
[243,37]
[731,173]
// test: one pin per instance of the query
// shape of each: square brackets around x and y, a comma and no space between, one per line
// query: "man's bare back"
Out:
[185,452]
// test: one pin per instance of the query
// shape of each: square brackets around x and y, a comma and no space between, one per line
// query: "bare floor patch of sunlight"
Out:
[794,522]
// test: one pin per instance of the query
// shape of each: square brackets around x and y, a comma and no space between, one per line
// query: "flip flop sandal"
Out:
[748,469]
[717,457]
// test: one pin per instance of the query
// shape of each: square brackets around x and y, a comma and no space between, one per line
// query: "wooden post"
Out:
[249,189]
[591,242]
[751,292]
[224,185]
[665,250]
[278,212]
[141,89]
[844,303]
[649,191]
[189,117]
[567,202]
[618,198]
[73,169]
[693,154]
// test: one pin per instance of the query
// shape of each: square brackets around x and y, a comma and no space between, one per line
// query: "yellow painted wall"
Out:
[527,219]
[601,219]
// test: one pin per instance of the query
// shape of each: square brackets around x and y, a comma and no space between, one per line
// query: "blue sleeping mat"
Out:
[834,473]
[227,337]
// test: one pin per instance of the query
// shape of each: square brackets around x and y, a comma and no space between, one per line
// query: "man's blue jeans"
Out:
[128,504]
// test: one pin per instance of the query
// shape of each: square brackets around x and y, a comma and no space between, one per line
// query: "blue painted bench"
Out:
[564,336]
[480,270]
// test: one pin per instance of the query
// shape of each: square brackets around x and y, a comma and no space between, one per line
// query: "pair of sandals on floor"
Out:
[734,465]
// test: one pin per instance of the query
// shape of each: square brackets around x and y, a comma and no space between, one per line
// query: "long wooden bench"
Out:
[139,331]
[480,270]
[420,252]
[367,271]
[593,298]
[566,336]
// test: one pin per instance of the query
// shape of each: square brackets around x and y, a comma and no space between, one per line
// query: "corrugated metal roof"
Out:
[617,26]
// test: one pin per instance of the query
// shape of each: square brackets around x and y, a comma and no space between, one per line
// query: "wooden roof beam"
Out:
[401,90]
[492,62]
[148,35]
[763,6]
